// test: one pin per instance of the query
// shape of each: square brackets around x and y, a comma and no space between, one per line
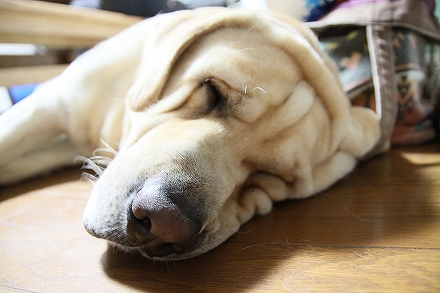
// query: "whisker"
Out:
[89,177]
[89,164]
[107,148]
[259,88]
[97,163]
[101,161]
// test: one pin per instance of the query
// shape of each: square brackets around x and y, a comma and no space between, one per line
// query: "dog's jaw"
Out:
[225,224]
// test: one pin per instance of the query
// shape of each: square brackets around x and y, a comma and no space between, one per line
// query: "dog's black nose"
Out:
[159,225]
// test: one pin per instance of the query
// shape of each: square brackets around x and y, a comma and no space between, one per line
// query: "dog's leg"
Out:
[29,136]
[24,127]
[59,153]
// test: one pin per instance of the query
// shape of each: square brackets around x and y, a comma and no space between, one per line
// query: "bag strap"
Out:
[380,43]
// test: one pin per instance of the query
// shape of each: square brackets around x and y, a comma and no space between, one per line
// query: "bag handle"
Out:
[380,45]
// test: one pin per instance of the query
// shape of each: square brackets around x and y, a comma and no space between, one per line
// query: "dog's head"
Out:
[228,110]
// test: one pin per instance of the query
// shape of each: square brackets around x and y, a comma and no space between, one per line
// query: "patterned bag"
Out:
[388,55]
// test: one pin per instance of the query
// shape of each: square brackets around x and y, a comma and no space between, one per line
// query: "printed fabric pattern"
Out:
[348,47]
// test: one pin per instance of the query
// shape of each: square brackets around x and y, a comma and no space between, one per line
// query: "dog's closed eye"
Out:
[206,98]
[213,95]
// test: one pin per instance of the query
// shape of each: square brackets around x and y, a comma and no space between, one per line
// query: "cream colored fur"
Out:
[280,126]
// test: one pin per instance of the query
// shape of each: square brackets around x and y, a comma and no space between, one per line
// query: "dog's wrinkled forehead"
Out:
[240,72]
[170,42]
[163,50]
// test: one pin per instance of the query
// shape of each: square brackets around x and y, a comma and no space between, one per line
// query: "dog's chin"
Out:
[209,238]
[143,251]
[115,239]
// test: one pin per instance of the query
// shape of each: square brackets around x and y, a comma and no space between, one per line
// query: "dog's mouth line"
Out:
[162,255]
[116,237]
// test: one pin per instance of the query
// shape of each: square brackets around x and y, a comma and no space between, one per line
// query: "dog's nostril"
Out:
[159,225]
[138,230]
[146,224]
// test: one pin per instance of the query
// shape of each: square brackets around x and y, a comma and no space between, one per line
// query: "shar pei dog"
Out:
[210,116]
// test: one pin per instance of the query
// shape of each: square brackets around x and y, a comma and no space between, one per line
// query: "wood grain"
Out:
[29,74]
[377,230]
[56,25]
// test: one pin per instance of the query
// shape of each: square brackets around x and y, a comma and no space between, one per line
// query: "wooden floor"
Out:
[376,230]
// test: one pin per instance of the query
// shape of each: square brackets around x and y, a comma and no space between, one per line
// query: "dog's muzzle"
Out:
[162,218]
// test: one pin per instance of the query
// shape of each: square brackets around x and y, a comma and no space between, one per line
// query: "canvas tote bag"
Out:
[388,55]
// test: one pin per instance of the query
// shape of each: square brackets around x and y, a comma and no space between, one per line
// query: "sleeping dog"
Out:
[211,115]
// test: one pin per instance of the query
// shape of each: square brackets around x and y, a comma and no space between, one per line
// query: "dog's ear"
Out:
[318,70]
[322,74]
[168,37]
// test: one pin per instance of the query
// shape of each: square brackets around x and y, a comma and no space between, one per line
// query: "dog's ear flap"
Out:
[169,36]
[158,56]
[355,130]
[322,74]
